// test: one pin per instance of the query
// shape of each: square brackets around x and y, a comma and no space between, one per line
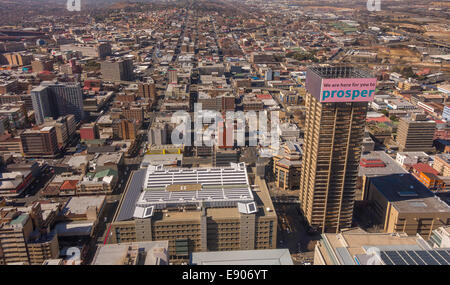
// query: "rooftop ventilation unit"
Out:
[247,208]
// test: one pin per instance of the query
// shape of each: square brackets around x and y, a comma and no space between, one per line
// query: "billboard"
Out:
[348,90]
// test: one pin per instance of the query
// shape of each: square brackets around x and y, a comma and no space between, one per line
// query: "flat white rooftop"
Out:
[243,257]
[214,187]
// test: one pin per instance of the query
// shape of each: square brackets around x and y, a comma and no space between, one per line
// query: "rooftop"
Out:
[155,253]
[216,186]
[340,72]
[390,165]
[407,194]
[79,205]
[243,257]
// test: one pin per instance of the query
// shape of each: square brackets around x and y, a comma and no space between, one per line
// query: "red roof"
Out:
[423,167]
[372,163]
[264,96]
[69,185]
[382,119]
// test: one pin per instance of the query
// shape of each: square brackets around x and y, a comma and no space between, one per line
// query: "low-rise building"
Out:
[133,253]
[356,247]
[401,203]
[199,209]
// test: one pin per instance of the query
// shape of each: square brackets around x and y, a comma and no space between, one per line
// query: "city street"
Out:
[292,233]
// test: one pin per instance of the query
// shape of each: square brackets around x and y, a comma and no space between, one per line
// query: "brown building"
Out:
[134,113]
[442,164]
[9,86]
[18,59]
[42,65]
[218,213]
[40,143]
[416,134]
[332,149]
[147,90]
[124,129]
[287,167]
[10,145]
[65,128]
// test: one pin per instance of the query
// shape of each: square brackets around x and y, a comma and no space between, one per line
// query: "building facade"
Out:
[55,100]
[332,149]
[196,217]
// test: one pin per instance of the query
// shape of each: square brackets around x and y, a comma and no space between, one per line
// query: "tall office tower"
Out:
[173,76]
[336,105]
[56,99]
[147,89]
[120,70]
[416,133]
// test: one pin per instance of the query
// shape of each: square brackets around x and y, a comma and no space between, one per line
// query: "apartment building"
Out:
[25,236]
[442,164]
[57,99]
[41,142]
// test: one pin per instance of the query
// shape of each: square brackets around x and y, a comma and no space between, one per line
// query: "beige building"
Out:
[287,166]
[134,253]
[442,164]
[401,203]
[416,134]
[357,247]
[333,140]
[200,209]
[25,237]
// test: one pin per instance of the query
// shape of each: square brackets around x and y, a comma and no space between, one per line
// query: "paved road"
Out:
[292,233]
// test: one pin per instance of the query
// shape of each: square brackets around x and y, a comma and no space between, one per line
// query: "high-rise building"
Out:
[24,236]
[40,143]
[416,133]
[120,70]
[56,99]
[65,127]
[124,129]
[336,105]
[173,76]
[147,89]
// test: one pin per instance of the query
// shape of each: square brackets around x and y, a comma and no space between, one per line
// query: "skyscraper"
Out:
[56,99]
[120,70]
[173,76]
[336,105]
